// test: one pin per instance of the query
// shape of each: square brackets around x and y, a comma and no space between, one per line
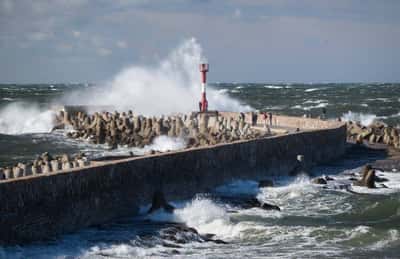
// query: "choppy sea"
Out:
[314,221]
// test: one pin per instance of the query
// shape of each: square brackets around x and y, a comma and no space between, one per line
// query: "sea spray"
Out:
[207,217]
[365,119]
[171,86]
[23,118]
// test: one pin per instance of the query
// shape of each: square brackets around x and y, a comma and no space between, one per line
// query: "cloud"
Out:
[6,6]
[39,36]
[76,34]
[244,40]
[122,44]
[237,13]
[104,52]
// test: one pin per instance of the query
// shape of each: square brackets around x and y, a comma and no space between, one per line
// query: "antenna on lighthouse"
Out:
[203,104]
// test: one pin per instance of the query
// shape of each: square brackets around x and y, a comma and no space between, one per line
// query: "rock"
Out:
[36,169]
[372,138]
[265,183]
[159,202]
[8,173]
[254,203]
[65,158]
[267,206]
[67,166]
[55,165]
[26,169]
[319,180]
[328,178]
[82,162]
[368,177]
[380,179]
[18,172]
[46,169]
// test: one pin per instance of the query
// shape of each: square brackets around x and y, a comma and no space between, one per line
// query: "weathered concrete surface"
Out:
[35,208]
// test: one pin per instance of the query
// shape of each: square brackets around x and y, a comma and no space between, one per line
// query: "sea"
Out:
[314,222]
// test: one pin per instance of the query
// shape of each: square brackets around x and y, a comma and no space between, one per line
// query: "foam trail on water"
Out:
[171,86]
[20,118]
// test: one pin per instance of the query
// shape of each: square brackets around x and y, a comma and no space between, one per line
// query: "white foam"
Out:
[393,236]
[160,143]
[364,118]
[393,185]
[19,118]
[302,198]
[173,85]
[308,108]
[206,217]
[315,101]
[312,90]
[273,86]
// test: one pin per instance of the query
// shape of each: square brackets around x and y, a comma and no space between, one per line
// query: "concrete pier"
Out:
[37,207]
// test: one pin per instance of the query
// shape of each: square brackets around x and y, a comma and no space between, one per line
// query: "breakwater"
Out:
[40,207]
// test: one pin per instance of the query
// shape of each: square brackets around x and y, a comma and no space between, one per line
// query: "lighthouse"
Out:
[203,104]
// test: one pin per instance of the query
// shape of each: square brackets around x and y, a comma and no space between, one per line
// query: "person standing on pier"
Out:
[270,118]
[264,116]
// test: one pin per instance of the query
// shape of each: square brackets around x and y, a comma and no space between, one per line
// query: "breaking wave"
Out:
[364,118]
[171,86]
[20,118]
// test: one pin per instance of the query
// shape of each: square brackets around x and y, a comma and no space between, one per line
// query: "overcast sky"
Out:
[244,40]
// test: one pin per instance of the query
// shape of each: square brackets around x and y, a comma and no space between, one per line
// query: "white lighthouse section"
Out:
[170,86]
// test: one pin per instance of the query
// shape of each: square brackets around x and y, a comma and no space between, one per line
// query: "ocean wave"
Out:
[8,99]
[19,118]
[313,89]
[156,89]
[205,216]
[365,119]
[315,101]
[308,108]
[273,86]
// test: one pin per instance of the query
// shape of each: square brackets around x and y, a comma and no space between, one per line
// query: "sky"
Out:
[50,41]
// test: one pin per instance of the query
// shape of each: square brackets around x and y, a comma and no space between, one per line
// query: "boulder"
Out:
[368,177]
[55,165]
[255,203]
[8,173]
[82,162]
[46,169]
[67,165]
[36,169]
[18,172]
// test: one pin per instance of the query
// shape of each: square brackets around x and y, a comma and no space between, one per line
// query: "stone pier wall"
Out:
[36,208]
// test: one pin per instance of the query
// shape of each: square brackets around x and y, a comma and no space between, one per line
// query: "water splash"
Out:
[22,118]
[171,86]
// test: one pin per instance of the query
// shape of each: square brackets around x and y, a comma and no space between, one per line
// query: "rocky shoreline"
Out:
[376,133]
[120,128]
